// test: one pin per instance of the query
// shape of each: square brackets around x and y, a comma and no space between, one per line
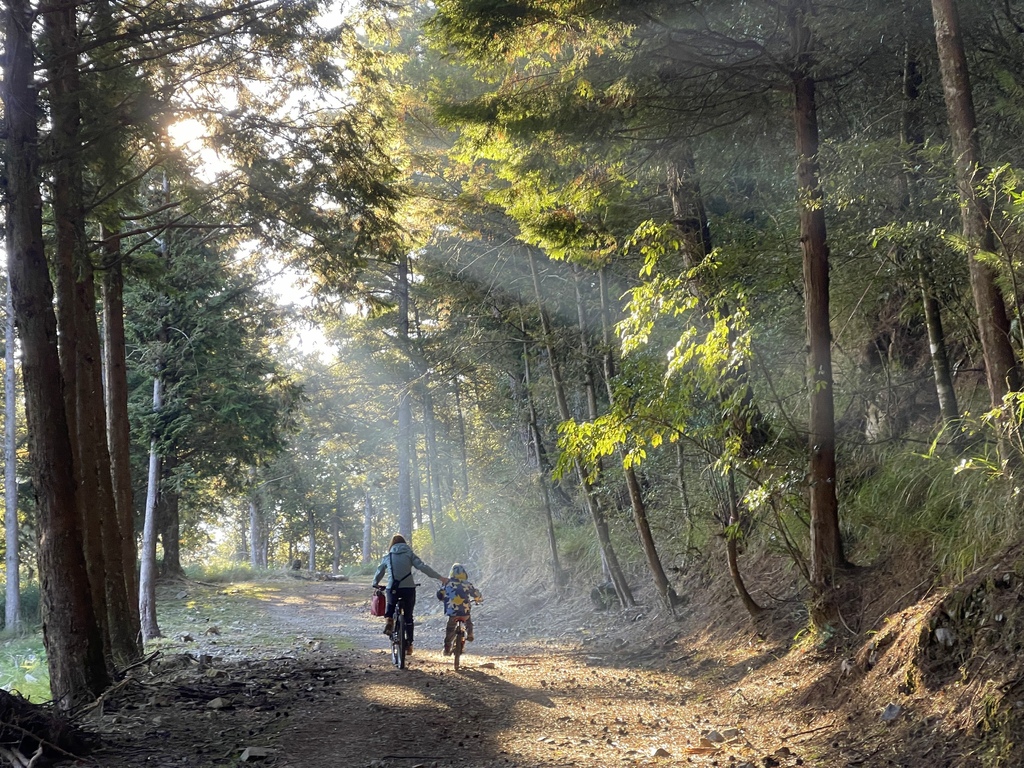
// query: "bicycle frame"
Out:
[459,642]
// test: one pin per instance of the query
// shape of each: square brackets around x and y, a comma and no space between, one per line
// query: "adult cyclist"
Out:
[401,590]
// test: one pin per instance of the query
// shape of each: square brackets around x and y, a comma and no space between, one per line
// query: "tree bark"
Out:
[417,484]
[826,545]
[434,501]
[71,632]
[941,371]
[12,559]
[993,324]
[78,338]
[258,534]
[147,557]
[115,372]
[688,213]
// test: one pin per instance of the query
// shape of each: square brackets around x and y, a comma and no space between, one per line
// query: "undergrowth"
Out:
[29,596]
[955,519]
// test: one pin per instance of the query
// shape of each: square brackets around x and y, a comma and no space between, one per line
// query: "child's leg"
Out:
[449,634]
[469,628]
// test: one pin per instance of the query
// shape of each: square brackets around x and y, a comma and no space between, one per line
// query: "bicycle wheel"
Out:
[458,644]
[398,641]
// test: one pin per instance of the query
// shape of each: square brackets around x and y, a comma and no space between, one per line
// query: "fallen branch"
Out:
[141,662]
[18,760]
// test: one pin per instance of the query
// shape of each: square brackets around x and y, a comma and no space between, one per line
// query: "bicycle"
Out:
[399,645]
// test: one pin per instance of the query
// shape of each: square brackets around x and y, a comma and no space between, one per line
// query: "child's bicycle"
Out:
[459,641]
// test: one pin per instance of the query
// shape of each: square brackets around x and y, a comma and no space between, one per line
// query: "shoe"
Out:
[389,626]
[469,637]
[447,651]
[408,650]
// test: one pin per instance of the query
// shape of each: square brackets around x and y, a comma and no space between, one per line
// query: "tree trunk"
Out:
[542,469]
[941,372]
[609,559]
[826,545]
[71,632]
[78,339]
[147,557]
[258,534]
[417,484]
[404,406]
[430,436]
[311,532]
[684,495]
[688,213]
[460,420]
[913,139]
[993,324]
[12,560]
[336,533]
[732,537]
[118,428]
[169,518]
[433,472]
[367,528]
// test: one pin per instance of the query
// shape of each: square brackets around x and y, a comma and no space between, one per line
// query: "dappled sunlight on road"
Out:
[400,696]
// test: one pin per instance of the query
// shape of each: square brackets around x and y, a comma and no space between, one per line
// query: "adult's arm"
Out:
[426,568]
[380,572]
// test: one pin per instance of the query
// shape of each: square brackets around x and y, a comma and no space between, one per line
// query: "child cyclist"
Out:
[457,594]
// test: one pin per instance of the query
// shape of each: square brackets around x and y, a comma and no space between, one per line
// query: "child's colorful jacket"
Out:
[457,595]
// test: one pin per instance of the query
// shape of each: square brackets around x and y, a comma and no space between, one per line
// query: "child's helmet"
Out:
[458,572]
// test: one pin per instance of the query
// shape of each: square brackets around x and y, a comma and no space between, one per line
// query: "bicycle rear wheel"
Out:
[398,641]
[458,644]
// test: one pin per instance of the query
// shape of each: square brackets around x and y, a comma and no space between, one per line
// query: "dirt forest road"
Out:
[517,701]
[521,699]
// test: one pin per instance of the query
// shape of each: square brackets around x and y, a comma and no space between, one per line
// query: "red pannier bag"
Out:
[378,604]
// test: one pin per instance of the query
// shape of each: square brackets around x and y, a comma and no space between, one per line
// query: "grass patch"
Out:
[230,620]
[959,517]
[23,666]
